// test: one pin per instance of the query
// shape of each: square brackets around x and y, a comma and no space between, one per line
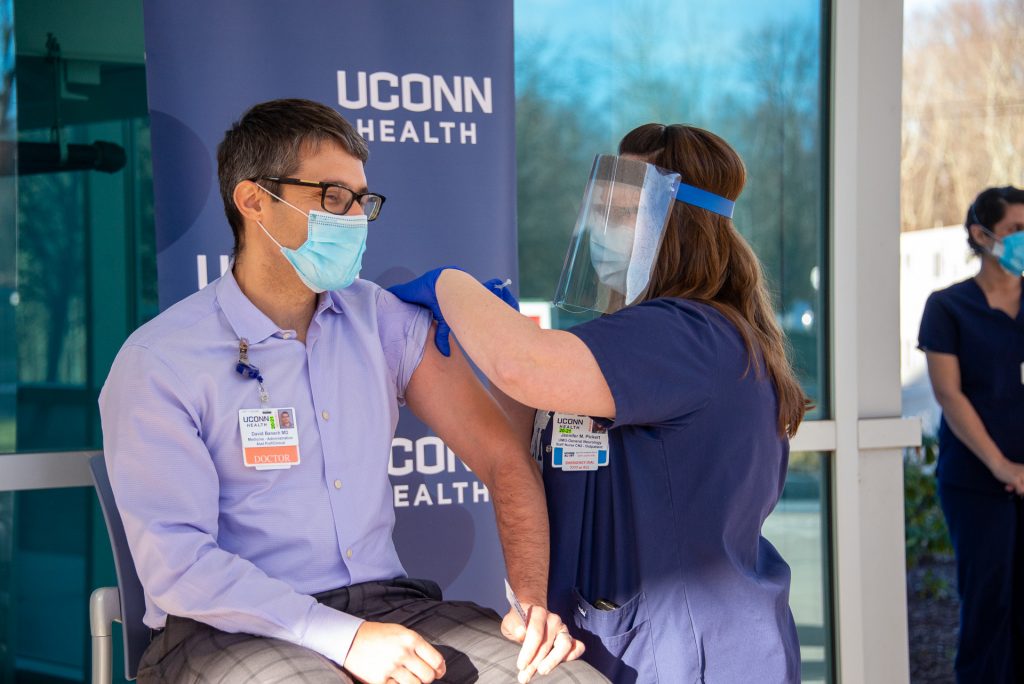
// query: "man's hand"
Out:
[546,641]
[383,653]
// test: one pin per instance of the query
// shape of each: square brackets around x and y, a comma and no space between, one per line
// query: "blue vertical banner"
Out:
[429,85]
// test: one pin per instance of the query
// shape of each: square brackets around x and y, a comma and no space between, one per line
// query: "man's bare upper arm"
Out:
[446,395]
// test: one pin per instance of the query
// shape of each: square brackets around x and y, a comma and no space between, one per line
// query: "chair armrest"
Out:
[104,610]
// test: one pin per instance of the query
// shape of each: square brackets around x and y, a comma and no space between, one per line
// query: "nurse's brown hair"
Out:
[703,257]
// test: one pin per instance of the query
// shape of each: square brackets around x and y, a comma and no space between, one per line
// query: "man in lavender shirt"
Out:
[268,560]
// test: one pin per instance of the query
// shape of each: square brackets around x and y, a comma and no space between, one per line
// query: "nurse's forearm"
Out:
[966,424]
[548,369]
[491,332]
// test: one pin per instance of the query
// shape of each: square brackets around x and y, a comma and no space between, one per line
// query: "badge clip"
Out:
[248,370]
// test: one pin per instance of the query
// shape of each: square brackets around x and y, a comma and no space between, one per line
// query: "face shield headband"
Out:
[716,204]
[619,230]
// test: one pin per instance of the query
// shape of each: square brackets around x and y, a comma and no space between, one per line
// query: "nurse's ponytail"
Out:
[703,257]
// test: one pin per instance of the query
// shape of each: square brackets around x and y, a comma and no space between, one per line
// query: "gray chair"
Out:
[124,603]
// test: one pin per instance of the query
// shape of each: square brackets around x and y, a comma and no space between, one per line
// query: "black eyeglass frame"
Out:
[324,186]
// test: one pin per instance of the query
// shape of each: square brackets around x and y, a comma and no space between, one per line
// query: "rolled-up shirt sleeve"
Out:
[403,330]
[167,490]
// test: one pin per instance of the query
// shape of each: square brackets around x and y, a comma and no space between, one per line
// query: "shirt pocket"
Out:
[619,642]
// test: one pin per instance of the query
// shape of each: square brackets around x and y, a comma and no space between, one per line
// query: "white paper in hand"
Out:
[514,602]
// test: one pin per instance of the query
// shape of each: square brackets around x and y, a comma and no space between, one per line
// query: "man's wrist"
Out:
[533,598]
[331,632]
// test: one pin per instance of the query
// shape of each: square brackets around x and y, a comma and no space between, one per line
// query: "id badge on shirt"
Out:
[270,438]
[578,443]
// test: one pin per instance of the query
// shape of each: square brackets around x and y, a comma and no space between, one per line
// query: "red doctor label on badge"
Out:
[270,438]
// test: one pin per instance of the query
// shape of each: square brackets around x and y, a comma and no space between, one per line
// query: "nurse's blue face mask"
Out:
[332,255]
[1008,250]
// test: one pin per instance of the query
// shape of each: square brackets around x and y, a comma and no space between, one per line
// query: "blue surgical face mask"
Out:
[332,255]
[610,250]
[1010,252]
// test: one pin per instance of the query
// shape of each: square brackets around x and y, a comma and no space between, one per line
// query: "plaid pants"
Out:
[467,635]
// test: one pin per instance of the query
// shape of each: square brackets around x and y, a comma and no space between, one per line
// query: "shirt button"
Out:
[337,484]
[287,336]
[348,554]
[325,415]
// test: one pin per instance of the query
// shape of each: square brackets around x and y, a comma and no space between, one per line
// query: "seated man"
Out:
[248,431]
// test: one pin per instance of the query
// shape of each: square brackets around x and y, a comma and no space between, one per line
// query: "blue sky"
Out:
[706,44]
[558,18]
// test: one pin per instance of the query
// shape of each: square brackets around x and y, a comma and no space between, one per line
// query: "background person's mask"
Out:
[1010,252]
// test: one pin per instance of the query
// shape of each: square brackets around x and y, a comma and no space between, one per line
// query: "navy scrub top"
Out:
[670,529]
[990,348]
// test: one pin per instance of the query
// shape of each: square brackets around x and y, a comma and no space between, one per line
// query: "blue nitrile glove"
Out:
[502,290]
[420,291]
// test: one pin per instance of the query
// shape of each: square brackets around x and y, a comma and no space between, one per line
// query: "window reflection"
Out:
[799,529]
[587,72]
[76,208]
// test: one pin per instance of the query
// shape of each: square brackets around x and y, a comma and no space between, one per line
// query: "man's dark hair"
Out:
[989,208]
[270,139]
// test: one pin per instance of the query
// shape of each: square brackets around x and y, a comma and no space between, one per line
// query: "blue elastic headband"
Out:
[716,204]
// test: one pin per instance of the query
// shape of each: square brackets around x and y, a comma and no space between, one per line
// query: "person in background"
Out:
[656,515]
[973,336]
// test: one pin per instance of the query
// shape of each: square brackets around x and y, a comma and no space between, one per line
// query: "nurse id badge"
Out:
[578,443]
[270,438]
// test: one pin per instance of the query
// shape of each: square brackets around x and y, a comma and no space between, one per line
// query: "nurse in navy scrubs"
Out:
[973,335]
[655,507]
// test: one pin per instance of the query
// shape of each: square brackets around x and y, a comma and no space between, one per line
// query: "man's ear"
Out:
[249,198]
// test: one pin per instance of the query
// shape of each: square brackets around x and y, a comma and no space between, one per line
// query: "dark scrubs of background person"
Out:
[973,335]
[657,506]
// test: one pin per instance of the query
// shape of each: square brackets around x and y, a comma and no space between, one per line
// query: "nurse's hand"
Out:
[1011,475]
[421,291]
[546,641]
[503,291]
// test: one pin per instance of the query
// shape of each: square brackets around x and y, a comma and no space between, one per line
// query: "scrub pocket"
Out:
[618,642]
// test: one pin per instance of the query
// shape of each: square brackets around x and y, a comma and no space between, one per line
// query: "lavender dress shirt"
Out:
[238,548]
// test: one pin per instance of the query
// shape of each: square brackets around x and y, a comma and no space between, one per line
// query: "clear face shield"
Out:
[618,234]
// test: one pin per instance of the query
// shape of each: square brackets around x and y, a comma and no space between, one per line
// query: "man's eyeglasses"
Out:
[336,198]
